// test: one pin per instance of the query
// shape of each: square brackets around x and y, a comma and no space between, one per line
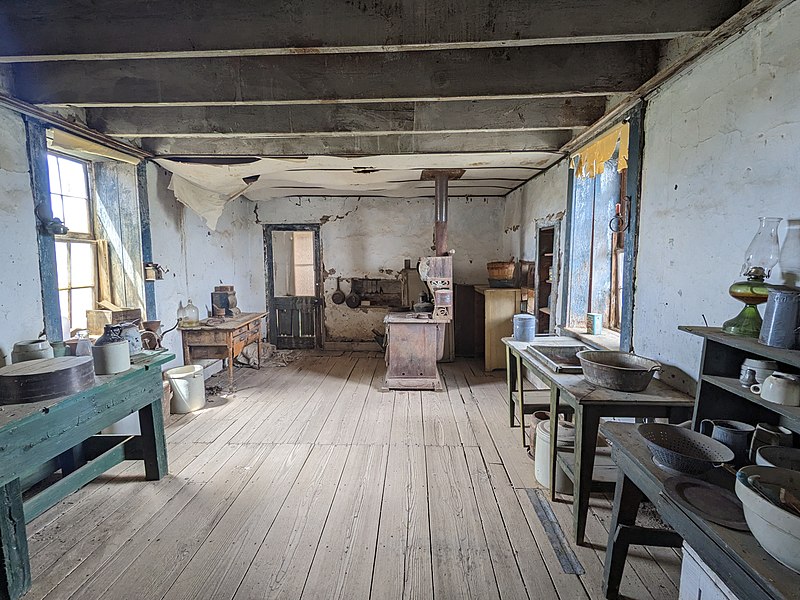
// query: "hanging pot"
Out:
[338,296]
[353,299]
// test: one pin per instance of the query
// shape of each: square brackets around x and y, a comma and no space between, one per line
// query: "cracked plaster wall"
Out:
[371,237]
[198,258]
[21,301]
[721,148]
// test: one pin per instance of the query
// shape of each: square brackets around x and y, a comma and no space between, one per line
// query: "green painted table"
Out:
[63,433]
[588,405]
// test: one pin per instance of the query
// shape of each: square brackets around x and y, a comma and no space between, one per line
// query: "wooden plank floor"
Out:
[309,482]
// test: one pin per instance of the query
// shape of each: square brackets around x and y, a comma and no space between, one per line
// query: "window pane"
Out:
[62,266]
[76,214]
[82,265]
[304,280]
[63,301]
[52,170]
[58,208]
[82,300]
[73,177]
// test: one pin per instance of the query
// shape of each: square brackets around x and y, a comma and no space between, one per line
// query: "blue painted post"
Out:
[40,186]
[565,254]
[147,238]
[633,189]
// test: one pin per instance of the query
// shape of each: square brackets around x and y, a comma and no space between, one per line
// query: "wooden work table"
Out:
[736,556]
[588,403]
[222,338]
[62,432]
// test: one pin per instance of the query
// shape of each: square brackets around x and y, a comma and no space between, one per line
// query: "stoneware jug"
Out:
[781,388]
[130,332]
[734,434]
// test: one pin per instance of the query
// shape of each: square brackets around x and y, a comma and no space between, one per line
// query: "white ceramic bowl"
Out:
[779,456]
[777,530]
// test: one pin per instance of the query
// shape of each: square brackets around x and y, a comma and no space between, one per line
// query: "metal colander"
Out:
[681,450]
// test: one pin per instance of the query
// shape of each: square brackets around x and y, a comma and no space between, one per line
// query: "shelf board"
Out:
[550,281]
[545,310]
[751,345]
[731,384]
[548,254]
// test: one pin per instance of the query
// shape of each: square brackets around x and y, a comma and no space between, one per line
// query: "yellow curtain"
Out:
[590,159]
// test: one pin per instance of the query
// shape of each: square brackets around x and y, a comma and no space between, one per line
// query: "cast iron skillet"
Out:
[353,300]
[338,296]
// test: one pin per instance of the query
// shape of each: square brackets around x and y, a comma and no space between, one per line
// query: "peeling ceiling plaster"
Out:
[207,188]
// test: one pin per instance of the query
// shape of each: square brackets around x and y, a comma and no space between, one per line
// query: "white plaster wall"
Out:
[198,258]
[371,237]
[21,314]
[542,199]
[721,149]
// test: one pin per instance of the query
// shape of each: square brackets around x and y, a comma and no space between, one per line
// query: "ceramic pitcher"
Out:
[734,434]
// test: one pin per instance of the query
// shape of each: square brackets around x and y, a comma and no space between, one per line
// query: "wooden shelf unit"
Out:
[546,240]
[719,393]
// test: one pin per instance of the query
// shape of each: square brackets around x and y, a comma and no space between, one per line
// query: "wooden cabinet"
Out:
[719,393]
[500,306]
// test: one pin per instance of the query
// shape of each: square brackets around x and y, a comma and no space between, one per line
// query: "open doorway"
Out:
[292,260]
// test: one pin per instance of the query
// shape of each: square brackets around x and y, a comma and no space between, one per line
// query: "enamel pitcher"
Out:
[734,434]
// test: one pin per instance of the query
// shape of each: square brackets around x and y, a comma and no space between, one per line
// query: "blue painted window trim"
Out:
[147,238]
[36,133]
[633,188]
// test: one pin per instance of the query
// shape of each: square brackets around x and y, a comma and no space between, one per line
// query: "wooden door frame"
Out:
[555,225]
[272,325]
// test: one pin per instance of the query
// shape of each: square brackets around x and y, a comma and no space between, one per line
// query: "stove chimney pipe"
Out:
[441,178]
[440,228]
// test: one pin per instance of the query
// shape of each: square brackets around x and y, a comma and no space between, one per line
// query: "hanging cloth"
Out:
[590,160]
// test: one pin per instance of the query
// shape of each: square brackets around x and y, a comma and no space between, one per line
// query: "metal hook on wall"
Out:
[619,222]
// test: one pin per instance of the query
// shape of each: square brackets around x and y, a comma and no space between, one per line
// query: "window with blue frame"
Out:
[76,253]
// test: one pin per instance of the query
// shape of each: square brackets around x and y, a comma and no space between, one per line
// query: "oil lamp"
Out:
[762,254]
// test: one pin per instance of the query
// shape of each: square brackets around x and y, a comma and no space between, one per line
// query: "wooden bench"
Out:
[42,437]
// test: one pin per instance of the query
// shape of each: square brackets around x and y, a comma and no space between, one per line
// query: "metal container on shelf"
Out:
[781,319]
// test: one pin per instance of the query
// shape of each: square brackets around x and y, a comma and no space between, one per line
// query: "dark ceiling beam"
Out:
[48,30]
[359,145]
[531,114]
[753,12]
[581,69]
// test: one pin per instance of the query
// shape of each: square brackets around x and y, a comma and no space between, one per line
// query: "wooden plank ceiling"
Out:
[378,77]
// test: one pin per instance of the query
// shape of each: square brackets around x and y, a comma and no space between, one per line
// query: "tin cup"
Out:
[594,323]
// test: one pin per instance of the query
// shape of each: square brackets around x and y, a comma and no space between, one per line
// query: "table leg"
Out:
[587,422]
[521,399]
[187,351]
[510,384]
[154,445]
[627,498]
[553,439]
[230,363]
[258,346]
[15,567]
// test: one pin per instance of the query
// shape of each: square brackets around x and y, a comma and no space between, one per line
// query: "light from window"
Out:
[76,262]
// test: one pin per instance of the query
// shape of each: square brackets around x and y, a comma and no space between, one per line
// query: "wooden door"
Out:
[293,259]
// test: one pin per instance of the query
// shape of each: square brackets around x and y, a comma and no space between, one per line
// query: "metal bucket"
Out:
[780,325]
[524,327]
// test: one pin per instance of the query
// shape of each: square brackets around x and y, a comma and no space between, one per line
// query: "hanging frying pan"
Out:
[353,299]
[338,296]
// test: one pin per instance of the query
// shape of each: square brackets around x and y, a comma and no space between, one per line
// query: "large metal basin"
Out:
[558,358]
[618,371]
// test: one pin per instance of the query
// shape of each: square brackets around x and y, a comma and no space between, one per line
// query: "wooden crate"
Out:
[97,319]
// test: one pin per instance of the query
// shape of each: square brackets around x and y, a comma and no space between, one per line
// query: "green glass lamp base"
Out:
[747,323]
